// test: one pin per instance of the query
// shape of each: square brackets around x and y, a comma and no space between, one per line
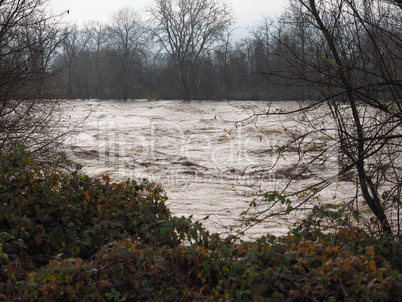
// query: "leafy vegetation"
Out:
[66,236]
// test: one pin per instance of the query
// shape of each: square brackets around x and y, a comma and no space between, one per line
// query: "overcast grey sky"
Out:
[246,12]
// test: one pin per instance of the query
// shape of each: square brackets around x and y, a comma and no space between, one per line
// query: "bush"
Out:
[68,237]
[46,212]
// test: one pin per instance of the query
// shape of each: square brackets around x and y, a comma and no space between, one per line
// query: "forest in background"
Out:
[121,60]
[133,56]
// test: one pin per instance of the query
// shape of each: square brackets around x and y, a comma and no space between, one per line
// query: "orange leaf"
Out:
[351,234]
[243,249]
[372,265]
[203,251]
[371,251]
[87,195]
[302,261]
[346,265]
[204,290]
[106,179]
[78,263]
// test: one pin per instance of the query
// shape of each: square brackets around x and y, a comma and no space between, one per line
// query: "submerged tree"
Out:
[348,54]
[28,40]
[186,29]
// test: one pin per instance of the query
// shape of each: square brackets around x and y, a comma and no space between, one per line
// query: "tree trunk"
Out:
[369,192]
[186,89]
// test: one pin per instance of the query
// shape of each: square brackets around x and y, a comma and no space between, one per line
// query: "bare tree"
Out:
[348,54]
[28,40]
[128,39]
[74,45]
[222,57]
[187,28]
[98,42]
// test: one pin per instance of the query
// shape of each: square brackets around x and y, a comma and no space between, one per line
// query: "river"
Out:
[208,166]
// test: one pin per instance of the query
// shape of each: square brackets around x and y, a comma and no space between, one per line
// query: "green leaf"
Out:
[289,209]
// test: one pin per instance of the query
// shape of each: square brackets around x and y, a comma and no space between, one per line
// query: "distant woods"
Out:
[181,49]
[184,50]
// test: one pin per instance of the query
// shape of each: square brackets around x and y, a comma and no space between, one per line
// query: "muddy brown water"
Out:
[207,166]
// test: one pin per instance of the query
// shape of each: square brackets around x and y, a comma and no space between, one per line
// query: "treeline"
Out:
[165,58]
[177,54]
[121,61]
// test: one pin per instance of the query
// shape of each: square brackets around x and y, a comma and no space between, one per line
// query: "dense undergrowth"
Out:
[67,237]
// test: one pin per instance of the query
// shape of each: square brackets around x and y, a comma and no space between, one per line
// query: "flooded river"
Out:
[208,166]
